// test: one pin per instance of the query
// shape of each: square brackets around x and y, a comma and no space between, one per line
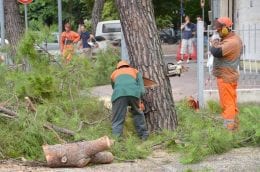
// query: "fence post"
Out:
[200,62]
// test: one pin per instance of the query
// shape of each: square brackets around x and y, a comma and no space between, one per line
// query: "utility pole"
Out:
[26,16]
[200,62]
[202,4]
[181,11]
[2,21]
[60,16]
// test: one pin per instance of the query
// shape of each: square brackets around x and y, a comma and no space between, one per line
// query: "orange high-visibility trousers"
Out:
[68,52]
[228,102]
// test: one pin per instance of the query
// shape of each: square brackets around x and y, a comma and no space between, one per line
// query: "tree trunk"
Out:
[145,53]
[14,23]
[75,154]
[96,14]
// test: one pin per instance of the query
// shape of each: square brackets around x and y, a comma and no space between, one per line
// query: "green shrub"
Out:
[104,66]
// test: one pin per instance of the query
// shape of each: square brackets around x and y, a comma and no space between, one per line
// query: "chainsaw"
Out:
[174,70]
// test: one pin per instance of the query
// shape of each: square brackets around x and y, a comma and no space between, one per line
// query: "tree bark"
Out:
[75,154]
[96,14]
[145,53]
[14,23]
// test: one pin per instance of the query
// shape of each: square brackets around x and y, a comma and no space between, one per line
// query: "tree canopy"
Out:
[167,13]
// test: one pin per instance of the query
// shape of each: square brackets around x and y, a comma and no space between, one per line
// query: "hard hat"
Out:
[122,63]
[225,21]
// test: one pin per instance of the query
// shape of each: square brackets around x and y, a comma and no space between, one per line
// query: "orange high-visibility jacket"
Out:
[67,39]
[227,58]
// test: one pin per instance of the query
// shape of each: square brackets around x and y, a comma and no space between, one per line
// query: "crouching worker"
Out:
[128,87]
[226,61]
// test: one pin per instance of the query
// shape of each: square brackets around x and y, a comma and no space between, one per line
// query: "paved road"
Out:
[186,85]
[182,87]
[236,160]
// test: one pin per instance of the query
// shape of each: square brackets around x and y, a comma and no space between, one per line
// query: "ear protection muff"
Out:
[224,31]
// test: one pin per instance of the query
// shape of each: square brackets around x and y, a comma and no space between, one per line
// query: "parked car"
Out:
[50,45]
[169,35]
[110,30]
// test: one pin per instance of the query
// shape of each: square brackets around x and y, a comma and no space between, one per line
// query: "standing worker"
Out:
[226,61]
[128,87]
[67,41]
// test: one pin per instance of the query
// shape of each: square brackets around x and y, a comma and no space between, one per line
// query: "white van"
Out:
[110,30]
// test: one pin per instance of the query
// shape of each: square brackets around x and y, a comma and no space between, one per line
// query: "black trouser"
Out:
[119,110]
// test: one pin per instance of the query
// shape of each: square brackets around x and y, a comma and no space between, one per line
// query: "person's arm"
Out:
[140,83]
[76,37]
[112,84]
[216,49]
[112,79]
[183,26]
[194,29]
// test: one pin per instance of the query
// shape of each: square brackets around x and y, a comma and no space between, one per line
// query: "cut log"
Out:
[7,111]
[76,154]
[102,158]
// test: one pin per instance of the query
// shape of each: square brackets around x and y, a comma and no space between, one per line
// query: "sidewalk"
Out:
[186,85]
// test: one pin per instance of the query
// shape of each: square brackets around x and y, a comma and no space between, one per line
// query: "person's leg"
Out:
[119,109]
[190,49]
[183,49]
[139,119]
[227,94]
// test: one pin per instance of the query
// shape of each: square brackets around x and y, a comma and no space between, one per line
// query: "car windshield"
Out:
[53,38]
[111,27]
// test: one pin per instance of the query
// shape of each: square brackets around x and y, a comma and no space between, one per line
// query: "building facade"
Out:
[246,18]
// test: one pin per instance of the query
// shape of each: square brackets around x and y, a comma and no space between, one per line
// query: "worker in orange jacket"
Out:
[67,41]
[225,67]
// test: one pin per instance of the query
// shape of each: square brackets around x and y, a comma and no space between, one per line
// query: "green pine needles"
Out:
[61,96]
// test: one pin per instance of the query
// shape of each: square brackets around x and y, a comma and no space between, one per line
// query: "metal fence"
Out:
[249,68]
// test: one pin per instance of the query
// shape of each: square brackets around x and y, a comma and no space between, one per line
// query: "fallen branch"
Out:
[163,141]
[56,134]
[123,160]
[7,116]
[8,112]
[30,104]
[91,123]
[59,129]
[49,54]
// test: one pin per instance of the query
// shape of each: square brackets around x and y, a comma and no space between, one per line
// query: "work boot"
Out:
[231,125]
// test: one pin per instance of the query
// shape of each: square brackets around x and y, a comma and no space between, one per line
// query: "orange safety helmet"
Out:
[225,21]
[122,63]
